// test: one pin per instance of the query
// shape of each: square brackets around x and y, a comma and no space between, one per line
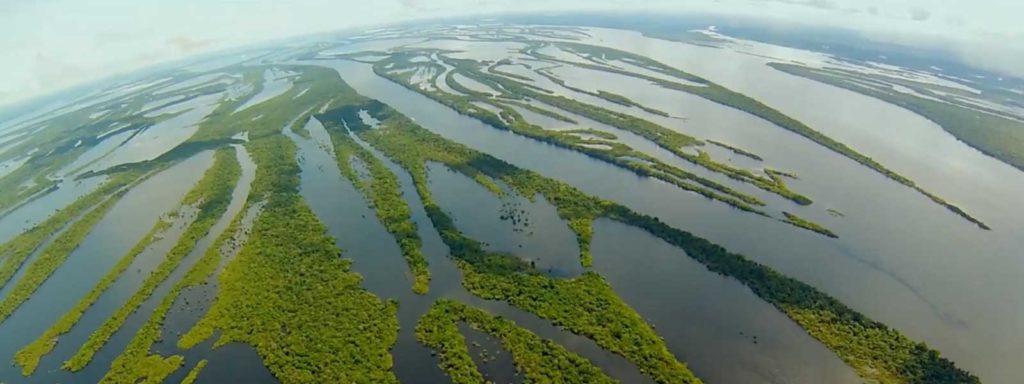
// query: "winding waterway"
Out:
[899,258]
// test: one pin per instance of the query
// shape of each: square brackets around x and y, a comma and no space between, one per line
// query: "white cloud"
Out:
[53,44]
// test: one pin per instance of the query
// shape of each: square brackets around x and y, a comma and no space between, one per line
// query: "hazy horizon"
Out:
[82,42]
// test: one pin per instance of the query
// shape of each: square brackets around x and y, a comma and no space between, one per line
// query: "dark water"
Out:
[900,259]
[376,256]
[22,218]
[715,324]
[113,236]
[234,361]
[790,360]
[914,272]
[490,355]
[513,224]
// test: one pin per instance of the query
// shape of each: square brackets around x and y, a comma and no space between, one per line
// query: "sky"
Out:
[49,45]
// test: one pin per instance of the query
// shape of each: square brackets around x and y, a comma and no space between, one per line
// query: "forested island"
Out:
[246,232]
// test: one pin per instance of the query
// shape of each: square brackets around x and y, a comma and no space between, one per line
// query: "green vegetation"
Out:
[591,131]
[290,295]
[28,180]
[996,136]
[53,144]
[689,37]
[299,258]
[584,229]
[542,111]
[288,225]
[602,94]
[53,256]
[585,305]
[808,225]
[135,363]
[540,360]
[313,88]
[15,251]
[615,153]
[194,373]
[493,68]
[211,197]
[28,357]
[721,95]
[385,195]
[609,151]
[738,151]
[877,352]
[778,175]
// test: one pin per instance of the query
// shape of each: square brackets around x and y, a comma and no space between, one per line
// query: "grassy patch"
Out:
[808,225]
[211,197]
[385,194]
[290,295]
[28,357]
[586,305]
[877,352]
[194,373]
[53,256]
[540,360]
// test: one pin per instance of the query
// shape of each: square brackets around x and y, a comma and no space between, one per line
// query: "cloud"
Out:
[89,39]
[54,72]
[822,4]
[920,14]
[414,4]
[188,45]
[819,4]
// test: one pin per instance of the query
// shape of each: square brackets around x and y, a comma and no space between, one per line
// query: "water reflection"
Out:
[111,238]
[900,257]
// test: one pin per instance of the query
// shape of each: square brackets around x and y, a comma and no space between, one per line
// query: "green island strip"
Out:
[616,153]
[543,112]
[37,175]
[540,360]
[194,373]
[28,357]
[878,353]
[595,132]
[211,197]
[808,225]
[287,252]
[997,136]
[586,305]
[55,143]
[385,195]
[778,175]
[29,180]
[289,294]
[135,363]
[493,68]
[277,170]
[738,151]
[16,251]
[602,94]
[724,96]
[54,255]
